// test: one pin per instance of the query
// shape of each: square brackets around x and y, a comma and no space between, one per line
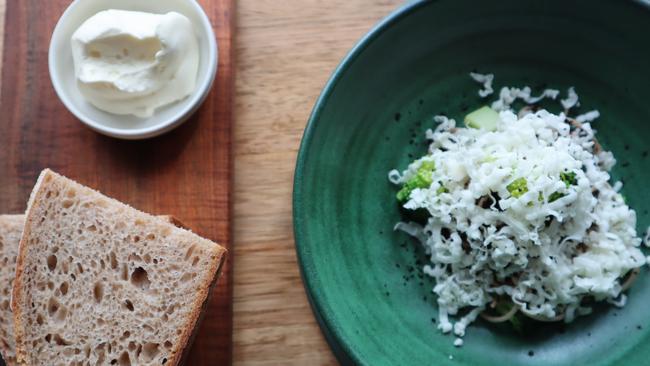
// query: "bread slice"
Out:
[100,283]
[11,227]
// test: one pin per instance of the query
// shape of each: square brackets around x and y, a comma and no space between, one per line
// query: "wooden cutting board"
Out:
[185,173]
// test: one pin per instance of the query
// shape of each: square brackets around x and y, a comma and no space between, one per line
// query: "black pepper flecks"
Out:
[639,327]
[398,116]
[644,154]
[626,147]
[625,164]
[531,353]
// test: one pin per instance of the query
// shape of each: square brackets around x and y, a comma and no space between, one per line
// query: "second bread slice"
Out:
[11,228]
[99,282]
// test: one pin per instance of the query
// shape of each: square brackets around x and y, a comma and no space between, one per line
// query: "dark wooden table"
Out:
[185,173]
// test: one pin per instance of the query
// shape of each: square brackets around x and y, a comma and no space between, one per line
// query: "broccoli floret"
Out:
[421,179]
[442,189]
[404,193]
[427,166]
[555,196]
[569,178]
[518,187]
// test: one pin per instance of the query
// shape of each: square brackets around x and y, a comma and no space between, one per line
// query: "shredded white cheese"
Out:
[546,244]
[486,80]
[507,96]
[571,99]
[588,117]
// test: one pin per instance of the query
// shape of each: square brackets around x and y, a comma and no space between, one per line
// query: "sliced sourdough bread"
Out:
[100,283]
[11,227]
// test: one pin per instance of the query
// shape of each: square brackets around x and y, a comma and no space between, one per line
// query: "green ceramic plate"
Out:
[363,279]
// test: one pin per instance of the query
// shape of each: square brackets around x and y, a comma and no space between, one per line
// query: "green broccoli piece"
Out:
[404,193]
[555,196]
[421,179]
[442,189]
[569,178]
[518,187]
[427,165]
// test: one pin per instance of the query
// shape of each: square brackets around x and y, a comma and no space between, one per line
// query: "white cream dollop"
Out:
[129,62]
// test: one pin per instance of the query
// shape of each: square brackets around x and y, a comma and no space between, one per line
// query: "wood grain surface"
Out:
[286,51]
[186,173]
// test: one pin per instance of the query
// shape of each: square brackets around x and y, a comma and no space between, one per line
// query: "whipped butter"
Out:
[129,62]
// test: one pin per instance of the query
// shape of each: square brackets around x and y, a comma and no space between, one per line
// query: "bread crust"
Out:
[17,291]
[197,314]
[18,294]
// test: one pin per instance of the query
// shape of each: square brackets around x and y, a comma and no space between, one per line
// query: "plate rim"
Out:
[343,352]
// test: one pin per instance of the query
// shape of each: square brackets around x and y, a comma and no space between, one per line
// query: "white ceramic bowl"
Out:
[127,126]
